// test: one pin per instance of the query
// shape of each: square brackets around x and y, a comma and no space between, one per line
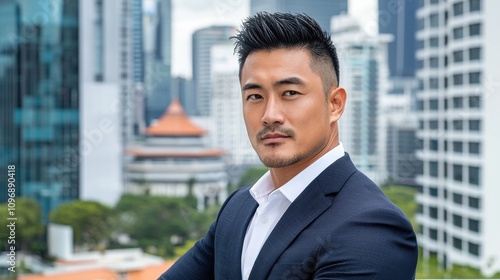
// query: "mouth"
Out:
[272,138]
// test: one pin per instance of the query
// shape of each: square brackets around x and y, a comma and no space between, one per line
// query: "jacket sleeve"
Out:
[197,262]
[374,244]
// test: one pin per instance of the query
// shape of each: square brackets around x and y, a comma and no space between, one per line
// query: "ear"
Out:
[337,98]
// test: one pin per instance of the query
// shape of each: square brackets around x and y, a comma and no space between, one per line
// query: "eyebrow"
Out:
[286,81]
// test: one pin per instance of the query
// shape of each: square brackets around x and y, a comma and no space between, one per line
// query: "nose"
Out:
[273,113]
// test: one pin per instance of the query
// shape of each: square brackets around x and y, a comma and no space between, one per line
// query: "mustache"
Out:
[275,129]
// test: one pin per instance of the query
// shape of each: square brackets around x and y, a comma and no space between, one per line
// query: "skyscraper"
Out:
[229,133]
[459,128]
[363,75]
[203,40]
[398,19]
[321,10]
[158,62]
[39,81]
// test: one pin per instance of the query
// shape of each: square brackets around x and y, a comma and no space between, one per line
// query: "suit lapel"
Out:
[234,221]
[306,208]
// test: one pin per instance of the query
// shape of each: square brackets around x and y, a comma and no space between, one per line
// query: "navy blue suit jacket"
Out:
[340,227]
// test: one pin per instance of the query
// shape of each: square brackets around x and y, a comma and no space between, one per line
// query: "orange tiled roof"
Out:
[149,272]
[100,273]
[175,122]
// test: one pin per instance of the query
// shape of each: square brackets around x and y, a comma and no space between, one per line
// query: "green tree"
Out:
[160,224]
[29,227]
[89,220]
[251,176]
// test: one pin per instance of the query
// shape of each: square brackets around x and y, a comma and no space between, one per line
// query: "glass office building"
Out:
[39,99]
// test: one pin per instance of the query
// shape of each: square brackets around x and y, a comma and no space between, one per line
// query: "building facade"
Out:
[227,113]
[175,160]
[364,76]
[40,106]
[459,126]
[203,40]
[158,57]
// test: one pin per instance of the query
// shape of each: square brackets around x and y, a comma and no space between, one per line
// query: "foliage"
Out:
[159,224]
[89,220]
[28,224]
[404,198]
[251,176]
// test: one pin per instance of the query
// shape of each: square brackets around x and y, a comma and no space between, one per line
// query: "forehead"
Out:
[276,63]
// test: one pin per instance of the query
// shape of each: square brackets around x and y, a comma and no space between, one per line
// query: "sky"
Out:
[190,15]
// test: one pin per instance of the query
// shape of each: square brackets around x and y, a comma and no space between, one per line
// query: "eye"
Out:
[290,93]
[254,97]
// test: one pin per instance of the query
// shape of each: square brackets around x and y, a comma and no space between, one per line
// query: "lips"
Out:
[274,136]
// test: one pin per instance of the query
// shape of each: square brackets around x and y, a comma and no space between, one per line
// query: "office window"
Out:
[434,20]
[434,2]
[458,125]
[475,53]
[457,220]
[458,56]
[433,234]
[457,172]
[474,202]
[457,243]
[457,198]
[457,147]
[420,208]
[433,105]
[421,24]
[475,101]
[458,33]
[433,168]
[433,62]
[473,249]
[420,105]
[474,225]
[433,83]
[433,145]
[433,191]
[474,173]
[458,9]
[474,78]
[474,148]
[474,125]
[474,5]
[420,44]
[458,102]
[433,124]
[474,29]
[420,64]
[458,79]
[445,169]
[445,215]
[434,42]
[433,212]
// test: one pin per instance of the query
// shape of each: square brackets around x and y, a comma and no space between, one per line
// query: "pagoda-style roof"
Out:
[175,122]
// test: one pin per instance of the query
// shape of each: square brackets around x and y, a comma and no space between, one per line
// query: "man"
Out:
[313,215]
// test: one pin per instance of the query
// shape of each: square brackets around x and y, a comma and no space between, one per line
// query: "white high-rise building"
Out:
[229,130]
[363,73]
[459,128]
[106,96]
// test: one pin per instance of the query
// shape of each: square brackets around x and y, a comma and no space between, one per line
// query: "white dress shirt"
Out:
[274,202]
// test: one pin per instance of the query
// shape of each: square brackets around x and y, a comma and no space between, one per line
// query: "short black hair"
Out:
[269,31]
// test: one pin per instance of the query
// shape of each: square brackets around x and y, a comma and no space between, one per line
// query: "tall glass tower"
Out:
[39,99]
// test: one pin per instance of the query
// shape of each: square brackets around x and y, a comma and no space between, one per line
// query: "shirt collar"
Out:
[264,187]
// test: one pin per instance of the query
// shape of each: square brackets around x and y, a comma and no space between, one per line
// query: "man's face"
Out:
[284,106]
